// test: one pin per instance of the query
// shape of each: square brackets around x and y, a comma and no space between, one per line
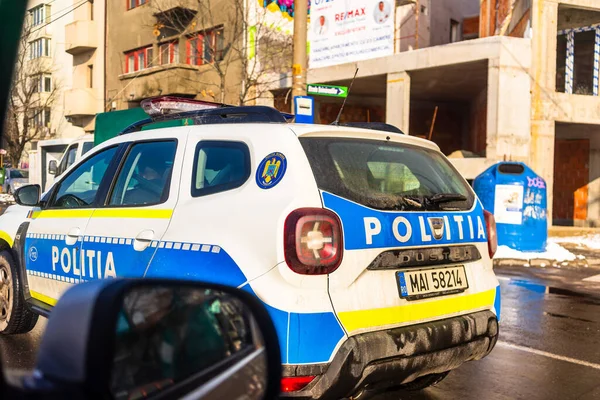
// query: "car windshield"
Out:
[19,173]
[386,176]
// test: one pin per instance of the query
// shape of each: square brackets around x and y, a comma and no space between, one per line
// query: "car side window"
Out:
[87,146]
[80,187]
[219,166]
[145,176]
[68,159]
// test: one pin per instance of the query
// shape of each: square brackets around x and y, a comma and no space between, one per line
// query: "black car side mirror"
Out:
[52,167]
[28,195]
[127,339]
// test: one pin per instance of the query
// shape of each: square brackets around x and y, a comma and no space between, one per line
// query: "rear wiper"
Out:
[446,198]
[412,202]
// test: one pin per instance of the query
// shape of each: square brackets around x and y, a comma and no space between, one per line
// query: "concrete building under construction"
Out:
[490,81]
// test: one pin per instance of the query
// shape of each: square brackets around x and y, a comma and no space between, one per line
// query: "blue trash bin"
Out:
[517,197]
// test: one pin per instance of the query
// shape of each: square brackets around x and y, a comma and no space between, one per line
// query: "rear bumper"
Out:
[378,360]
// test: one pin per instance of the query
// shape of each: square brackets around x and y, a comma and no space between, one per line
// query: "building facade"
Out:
[84,98]
[47,51]
[170,47]
[489,81]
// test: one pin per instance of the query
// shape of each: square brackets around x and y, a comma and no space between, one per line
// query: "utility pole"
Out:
[299,60]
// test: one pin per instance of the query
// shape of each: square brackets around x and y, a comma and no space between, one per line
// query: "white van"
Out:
[73,153]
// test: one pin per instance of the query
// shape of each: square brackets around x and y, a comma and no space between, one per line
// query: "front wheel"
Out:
[15,317]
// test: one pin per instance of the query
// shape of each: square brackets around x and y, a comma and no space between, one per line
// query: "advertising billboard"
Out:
[344,31]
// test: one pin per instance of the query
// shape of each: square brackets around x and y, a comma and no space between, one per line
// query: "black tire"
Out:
[15,317]
[424,382]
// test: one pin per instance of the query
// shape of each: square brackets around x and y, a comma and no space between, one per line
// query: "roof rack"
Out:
[378,126]
[221,115]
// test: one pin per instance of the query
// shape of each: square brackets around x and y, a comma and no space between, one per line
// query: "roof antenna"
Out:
[337,120]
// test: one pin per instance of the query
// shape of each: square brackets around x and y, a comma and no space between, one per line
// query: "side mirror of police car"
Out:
[52,167]
[28,195]
[127,339]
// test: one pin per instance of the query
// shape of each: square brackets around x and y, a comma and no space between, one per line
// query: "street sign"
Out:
[327,90]
[304,109]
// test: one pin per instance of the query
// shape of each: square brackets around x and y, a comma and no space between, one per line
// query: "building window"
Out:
[454,31]
[90,76]
[41,117]
[139,59]
[42,83]
[205,47]
[39,48]
[149,57]
[169,53]
[135,3]
[40,15]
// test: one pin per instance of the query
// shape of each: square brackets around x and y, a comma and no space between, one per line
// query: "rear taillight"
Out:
[490,224]
[295,383]
[313,241]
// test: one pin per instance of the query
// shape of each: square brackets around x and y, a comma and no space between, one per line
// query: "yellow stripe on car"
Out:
[63,213]
[6,237]
[43,298]
[365,319]
[131,213]
[104,213]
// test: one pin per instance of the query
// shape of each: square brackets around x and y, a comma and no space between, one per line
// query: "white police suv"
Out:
[372,254]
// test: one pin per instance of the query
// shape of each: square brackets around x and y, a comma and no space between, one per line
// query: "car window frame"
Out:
[62,167]
[195,192]
[126,151]
[102,188]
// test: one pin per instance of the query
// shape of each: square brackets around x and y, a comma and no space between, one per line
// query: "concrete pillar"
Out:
[542,158]
[594,185]
[493,92]
[397,108]
[543,51]
[513,114]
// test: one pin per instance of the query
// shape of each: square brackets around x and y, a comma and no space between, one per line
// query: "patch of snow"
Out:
[590,241]
[554,251]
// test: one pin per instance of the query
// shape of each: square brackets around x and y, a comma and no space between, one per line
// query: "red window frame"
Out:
[200,37]
[172,55]
[137,3]
[136,54]
[199,59]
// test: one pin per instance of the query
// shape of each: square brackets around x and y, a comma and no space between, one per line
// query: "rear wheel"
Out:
[15,317]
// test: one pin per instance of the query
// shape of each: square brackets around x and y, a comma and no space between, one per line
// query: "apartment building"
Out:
[170,47]
[50,65]
[84,42]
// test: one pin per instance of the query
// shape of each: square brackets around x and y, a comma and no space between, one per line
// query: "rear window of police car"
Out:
[386,175]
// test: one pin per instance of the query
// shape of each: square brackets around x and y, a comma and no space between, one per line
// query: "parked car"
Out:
[15,178]
[371,253]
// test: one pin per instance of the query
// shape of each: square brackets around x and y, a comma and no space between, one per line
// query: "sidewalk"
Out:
[562,231]
[570,247]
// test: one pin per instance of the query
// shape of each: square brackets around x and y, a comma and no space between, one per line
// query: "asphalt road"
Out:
[549,345]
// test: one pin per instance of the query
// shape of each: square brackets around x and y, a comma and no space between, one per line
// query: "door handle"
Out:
[143,240]
[72,236]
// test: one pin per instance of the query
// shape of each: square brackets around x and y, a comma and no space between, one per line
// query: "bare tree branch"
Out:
[29,103]
[232,65]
